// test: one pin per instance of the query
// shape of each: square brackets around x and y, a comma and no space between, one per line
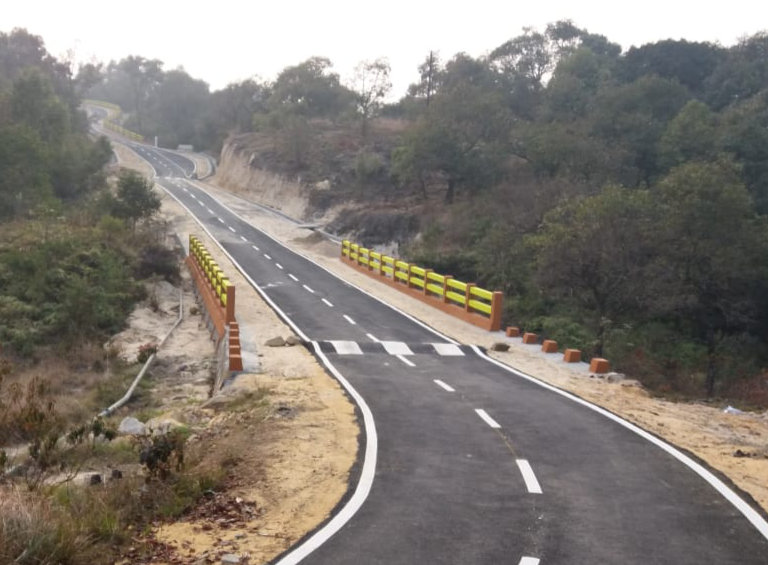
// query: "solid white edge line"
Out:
[754,518]
[363,485]
[406,360]
[373,338]
[327,303]
[279,266]
[531,483]
[368,471]
[487,419]
[445,387]
[327,270]
[294,278]
[529,561]
[746,510]
[309,290]
[350,320]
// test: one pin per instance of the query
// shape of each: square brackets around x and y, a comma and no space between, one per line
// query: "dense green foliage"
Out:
[618,199]
[70,256]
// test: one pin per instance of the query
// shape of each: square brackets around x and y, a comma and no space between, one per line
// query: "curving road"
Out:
[467,461]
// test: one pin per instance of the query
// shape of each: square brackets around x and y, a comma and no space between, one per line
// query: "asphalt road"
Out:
[475,464]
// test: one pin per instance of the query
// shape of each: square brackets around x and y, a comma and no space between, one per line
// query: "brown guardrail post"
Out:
[230,314]
[446,287]
[497,301]
[467,294]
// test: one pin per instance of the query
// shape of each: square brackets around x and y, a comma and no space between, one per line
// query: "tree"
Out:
[691,135]
[371,84]
[429,79]
[715,251]
[309,89]
[594,252]
[135,198]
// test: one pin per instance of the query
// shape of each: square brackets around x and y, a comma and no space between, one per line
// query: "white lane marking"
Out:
[294,278]
[222,221]
[368,472]
[445,387]
[487,419]
[231,229]
[405,360]
[346,347]
[255,248]
[185,190]
[309,290]
[448,349]
[396,348]
[267,257]
[210,211]
[201,203]
[530,479]
[279,266]
[327,303]
[245,239]
[373,338]
[529,561]
[350,320]
[193,196]
[760,524]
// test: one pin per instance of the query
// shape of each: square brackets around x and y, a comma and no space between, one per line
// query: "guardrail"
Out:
[464,300]
[113,112]
[218,296]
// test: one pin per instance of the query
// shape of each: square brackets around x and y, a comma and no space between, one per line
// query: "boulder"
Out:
[499,346]
[275,342]
[131,427]
[293,340]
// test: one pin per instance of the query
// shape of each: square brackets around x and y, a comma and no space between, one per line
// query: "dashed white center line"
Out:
[185,190]
[255,248]
[350,320]
[279,266]
[231,229]
[245,239]
[294,278]
[444,386]
[210,211]
[529,561]
[373,338]
[201,203]
[222,221]
[405,360]
[309,290]
[530,479]
[487,419]
[267,257]
[327,303]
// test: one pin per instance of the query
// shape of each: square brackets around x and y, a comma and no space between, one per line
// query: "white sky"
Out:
[230,40]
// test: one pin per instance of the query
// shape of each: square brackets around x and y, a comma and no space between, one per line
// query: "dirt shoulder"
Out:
[285,431]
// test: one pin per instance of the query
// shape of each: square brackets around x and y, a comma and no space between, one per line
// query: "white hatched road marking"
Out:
[396,348]
[346,347]
[487,419]
[448,349]
[529,561]
[530,479]
[444,386]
